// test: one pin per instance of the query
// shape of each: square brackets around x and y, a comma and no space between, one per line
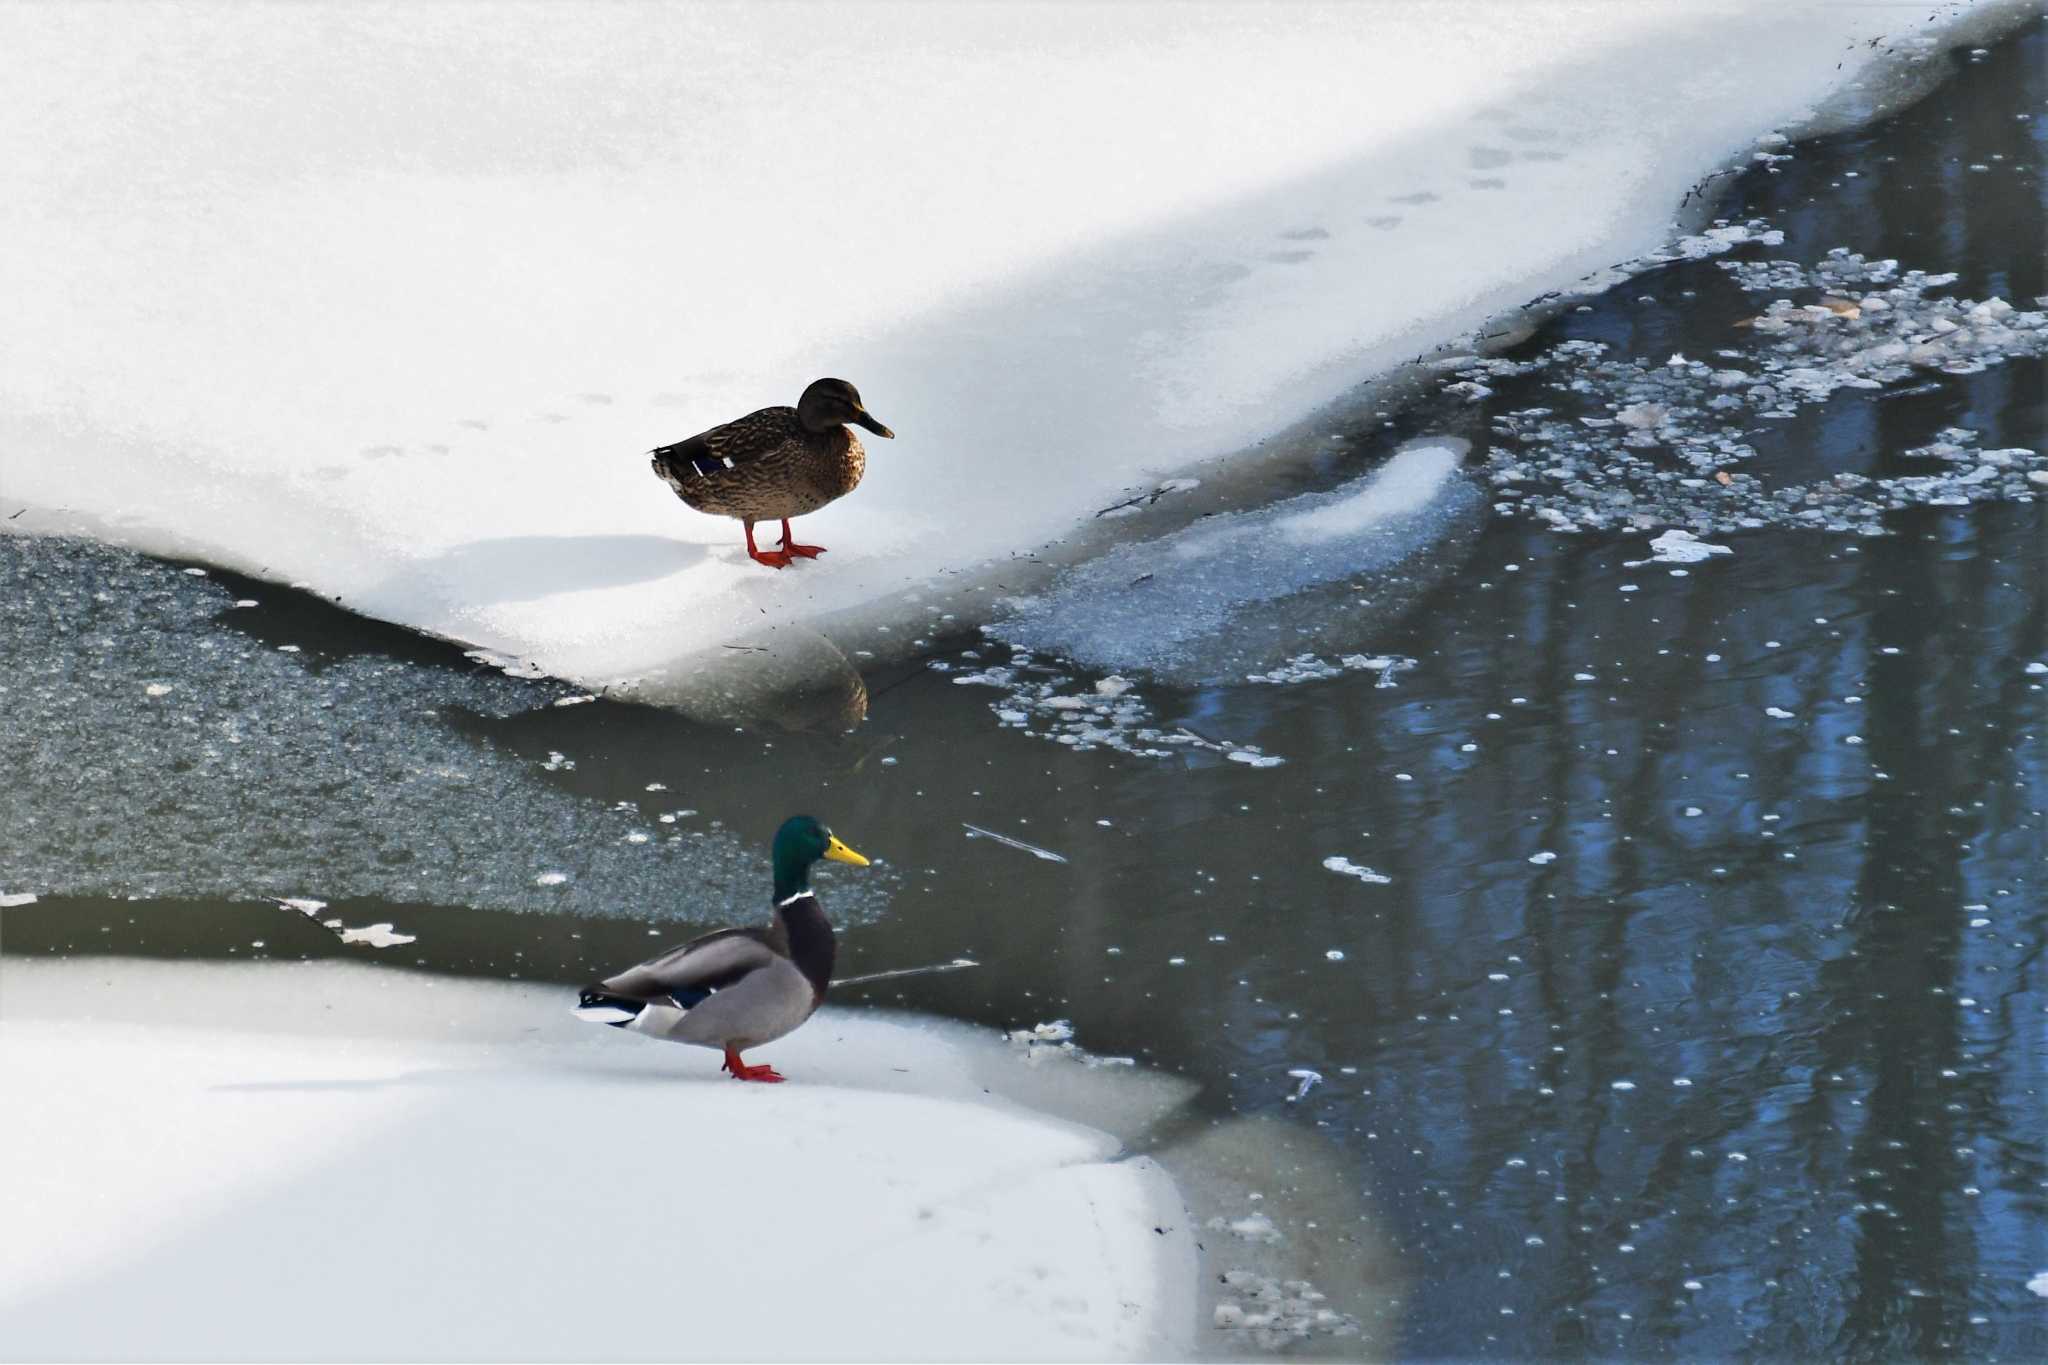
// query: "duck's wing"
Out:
[688,975]
[739,442]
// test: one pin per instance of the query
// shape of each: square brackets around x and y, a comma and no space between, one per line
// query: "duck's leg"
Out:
[790,547]
[742,1072]
[774,559]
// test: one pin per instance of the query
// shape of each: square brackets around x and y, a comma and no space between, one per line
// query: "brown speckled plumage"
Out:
[774,464]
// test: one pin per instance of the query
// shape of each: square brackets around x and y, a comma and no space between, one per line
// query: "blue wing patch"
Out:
[691,996]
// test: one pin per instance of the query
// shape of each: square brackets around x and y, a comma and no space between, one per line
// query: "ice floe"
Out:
[517,292]
[1233,595]
[320,1129]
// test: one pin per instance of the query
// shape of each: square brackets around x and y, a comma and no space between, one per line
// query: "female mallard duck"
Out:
[738,988]
[774,464]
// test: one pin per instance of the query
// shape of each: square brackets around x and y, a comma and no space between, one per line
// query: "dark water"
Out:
[1752,1065]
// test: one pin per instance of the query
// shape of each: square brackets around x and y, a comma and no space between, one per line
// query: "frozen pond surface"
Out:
[1694,1002]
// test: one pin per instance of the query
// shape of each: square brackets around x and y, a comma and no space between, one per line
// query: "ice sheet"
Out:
[1238,593]
[319,1160]
[392,301]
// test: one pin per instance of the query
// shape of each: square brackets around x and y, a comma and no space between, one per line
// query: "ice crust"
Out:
[318,1158]
[392,304]
[261,773]
[1234,595]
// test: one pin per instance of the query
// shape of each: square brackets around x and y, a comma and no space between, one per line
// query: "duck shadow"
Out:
[525,568]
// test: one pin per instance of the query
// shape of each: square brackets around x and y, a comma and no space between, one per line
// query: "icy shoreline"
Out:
[339,1162]
[414,367]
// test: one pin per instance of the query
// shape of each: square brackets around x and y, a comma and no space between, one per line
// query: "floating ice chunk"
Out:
[1678,547]
[10,899]
[2037,668]
[374,935]
[1544,858]
[1108,715]
[1309,1081]
[1346,868]
[1056,1039]
[1256,1227]
[1778,713]
[1334,954]
[2039,1284]
[1623,1085]
[551,879]
[305,905]
[1045,854]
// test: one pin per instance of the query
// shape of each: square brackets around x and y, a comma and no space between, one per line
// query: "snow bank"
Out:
[339,1162]
[391,301]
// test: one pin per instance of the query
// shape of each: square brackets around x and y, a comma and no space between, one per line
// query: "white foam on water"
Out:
[392,303]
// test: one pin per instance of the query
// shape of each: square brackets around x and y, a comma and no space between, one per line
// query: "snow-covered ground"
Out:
[391,301]
[323,1161]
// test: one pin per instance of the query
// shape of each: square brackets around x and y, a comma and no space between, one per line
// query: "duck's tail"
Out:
[600,1006]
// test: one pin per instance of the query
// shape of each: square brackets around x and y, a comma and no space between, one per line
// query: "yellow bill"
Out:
[840,853]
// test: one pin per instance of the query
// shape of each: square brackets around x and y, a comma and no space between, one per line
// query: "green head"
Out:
[800,842]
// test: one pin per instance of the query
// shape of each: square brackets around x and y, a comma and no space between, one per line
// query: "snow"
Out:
[226,1155]
[391,302]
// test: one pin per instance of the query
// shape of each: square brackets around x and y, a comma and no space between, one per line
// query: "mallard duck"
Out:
[738,988]
[774,464]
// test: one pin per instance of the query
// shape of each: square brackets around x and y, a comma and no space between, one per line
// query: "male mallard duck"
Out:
[774,464]
[738,988]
